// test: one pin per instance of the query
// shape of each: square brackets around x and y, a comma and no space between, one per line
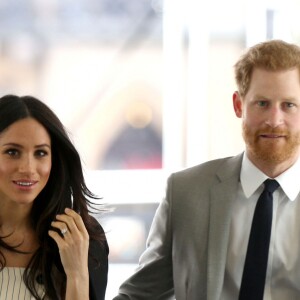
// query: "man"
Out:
[198,242]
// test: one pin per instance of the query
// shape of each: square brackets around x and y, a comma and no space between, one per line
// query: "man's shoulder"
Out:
[223,166]
[213,165]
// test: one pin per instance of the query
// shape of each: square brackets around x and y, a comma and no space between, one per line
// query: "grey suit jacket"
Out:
[187,244]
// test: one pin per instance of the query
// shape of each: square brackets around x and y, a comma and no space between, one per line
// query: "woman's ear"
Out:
[237,104]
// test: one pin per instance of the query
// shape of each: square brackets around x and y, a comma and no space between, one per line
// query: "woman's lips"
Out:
[25,184]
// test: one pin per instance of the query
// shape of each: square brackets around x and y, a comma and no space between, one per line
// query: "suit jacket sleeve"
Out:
[153,278]
[98,267]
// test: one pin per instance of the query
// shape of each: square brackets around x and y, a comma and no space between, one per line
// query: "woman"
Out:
[50,247]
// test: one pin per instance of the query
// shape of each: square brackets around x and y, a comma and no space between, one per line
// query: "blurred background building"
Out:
[143,86]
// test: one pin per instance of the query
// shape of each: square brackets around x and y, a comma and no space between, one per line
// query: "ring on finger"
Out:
[64,231]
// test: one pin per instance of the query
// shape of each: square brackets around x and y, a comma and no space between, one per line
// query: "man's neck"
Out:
[272,169]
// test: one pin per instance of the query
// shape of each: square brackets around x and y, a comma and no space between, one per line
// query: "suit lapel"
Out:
[222,195]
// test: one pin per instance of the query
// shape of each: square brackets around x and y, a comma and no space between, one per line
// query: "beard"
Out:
[271,150]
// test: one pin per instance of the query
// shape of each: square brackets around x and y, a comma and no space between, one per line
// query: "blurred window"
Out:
[98,64]
[143,86]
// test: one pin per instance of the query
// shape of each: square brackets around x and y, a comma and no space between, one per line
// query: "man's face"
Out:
[271,116]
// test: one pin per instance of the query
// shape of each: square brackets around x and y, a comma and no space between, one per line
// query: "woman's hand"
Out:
[73,245]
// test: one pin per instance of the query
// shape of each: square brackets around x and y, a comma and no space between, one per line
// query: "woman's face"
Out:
[25,161]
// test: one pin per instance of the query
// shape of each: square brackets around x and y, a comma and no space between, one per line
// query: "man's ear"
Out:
[237,104]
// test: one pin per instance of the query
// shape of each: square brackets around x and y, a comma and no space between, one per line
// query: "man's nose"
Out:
[274,117]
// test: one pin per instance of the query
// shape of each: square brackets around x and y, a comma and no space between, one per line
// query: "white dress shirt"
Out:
[283,271]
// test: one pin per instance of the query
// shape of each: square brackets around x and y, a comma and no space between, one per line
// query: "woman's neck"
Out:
[14,217]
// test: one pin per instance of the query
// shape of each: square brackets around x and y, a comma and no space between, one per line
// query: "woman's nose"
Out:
[26,165]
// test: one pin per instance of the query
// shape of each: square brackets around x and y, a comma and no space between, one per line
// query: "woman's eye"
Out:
[41,153]
[12,152]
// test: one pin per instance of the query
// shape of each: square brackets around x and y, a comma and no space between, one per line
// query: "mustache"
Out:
[266,131]
[272,132]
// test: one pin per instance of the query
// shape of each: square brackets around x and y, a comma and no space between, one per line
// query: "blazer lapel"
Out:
[222,195]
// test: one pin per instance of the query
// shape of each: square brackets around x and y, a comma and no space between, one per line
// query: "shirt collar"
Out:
[252,178]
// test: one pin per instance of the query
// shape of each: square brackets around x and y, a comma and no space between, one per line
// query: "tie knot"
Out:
[271,185]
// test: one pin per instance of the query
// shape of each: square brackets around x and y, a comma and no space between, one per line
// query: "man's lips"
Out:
[272,135]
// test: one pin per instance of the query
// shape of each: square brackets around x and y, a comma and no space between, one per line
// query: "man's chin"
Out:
[272,155]
[273,158]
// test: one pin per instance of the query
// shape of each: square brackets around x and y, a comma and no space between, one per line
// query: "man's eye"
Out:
[262,103]
[289,104]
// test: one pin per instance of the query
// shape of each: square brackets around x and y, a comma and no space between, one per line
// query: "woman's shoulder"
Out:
[96,224]
[98,239]
[98,261]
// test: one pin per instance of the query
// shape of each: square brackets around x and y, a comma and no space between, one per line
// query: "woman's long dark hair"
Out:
[65,188]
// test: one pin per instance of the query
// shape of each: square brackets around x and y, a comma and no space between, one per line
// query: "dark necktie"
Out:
[254,275]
